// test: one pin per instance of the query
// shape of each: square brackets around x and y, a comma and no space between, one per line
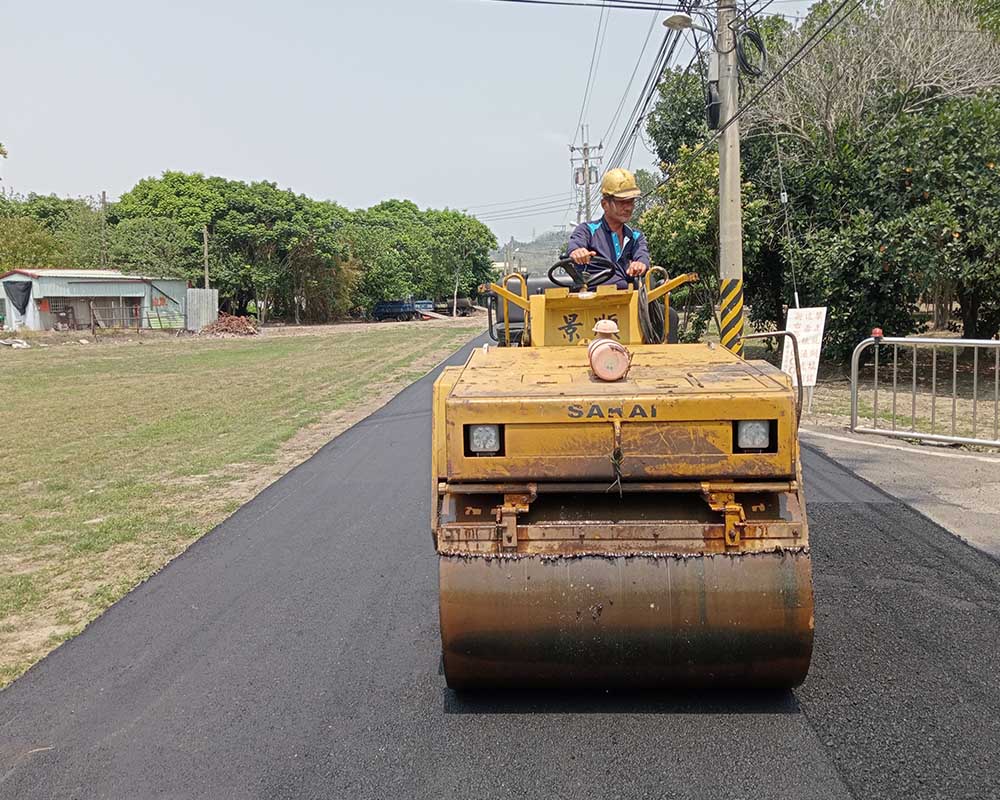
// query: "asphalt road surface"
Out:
[293,652]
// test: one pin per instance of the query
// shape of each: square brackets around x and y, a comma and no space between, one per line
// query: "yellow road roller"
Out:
[609,511]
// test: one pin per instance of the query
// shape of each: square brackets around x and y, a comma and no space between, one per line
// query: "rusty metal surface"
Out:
[602,488]
[628,621]
[675,411]
[662,369]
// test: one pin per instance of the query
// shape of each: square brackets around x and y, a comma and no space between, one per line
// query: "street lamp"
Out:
[683,22]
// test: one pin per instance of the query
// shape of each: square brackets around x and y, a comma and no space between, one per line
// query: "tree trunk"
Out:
[970,301]
[943,294]
[454,300]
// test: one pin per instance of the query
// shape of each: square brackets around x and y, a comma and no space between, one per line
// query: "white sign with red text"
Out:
[807,325]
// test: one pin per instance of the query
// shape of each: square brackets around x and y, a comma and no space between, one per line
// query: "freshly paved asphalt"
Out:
[293,652]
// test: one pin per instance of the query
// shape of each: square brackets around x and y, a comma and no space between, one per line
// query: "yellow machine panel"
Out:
[558,319]
[677,410]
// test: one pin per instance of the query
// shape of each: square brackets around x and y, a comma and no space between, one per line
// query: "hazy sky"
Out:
[458,103]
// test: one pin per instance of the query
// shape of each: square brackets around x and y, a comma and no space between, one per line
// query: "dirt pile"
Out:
[228,325]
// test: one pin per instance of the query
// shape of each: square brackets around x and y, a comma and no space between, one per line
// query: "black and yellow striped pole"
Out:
[731,314]
[730,203]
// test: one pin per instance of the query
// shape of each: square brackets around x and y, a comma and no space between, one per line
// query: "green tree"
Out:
[77,225]
[678,118]
[887,154]
[82,235]
[682,225]
[24,242]
[460,254]
[153,246]
[392,247]
[271,248]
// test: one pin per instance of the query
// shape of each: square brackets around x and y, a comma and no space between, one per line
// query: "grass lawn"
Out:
[124,453]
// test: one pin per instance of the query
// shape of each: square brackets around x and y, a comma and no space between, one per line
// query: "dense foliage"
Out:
[271,251]
[889,156]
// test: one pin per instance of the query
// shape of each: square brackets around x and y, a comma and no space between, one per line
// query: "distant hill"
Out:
[537,255]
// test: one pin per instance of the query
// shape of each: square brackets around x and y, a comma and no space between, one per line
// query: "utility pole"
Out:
[204,248]
[583,178]
[730,202]
[104,228]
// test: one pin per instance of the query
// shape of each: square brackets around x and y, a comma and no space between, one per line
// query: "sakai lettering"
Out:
[597,411]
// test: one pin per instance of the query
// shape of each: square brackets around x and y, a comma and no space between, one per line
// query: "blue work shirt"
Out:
[598,236]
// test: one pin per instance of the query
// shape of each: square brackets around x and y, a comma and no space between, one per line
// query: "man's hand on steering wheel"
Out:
[635,269]
[570,274]
[582,255]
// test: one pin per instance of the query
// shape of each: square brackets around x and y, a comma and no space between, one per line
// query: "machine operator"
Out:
[610,236]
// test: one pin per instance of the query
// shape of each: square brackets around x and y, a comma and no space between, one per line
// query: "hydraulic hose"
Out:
[651,320]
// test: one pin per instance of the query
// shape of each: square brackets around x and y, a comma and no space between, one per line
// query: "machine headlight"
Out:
[484,439]
[753,434]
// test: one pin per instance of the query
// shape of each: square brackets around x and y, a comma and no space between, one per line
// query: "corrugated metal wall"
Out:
[202,308]
[58,286]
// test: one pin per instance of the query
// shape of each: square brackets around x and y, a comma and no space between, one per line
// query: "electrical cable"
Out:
[590,72]
[803,50]
[632,5]
[640,110]
[514,202]
[597,66]
[626,143]
[636,130]
[747,65]
[788,225]
[811,42]
[635,69]
[664,55]
[499,212]
[529,212]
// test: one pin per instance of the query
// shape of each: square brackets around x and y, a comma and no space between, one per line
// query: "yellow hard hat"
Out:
[619,183]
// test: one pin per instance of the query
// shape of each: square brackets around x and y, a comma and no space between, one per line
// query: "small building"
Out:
[78,299]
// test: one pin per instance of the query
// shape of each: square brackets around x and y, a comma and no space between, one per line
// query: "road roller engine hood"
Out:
[682,412]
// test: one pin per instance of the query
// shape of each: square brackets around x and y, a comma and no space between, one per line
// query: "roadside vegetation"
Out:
[271,252]
[127,452]
[885,139]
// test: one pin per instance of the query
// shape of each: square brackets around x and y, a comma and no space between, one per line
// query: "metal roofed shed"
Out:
[89,299]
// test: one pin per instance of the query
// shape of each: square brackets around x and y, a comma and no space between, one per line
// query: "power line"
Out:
[527,214]
[788,225]
[635,69]
[632,5]
[597,66]
[553,207]
[626,143]
[590,72]
[807,46]
[539,207]
[515,202]
[803,50]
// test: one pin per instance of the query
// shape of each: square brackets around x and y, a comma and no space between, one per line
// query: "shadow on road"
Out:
[602,701]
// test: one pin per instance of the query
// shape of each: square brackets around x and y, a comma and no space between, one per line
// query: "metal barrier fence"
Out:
[132,317]
[969,417]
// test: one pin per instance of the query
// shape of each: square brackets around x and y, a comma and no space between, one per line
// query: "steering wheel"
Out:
[581,275]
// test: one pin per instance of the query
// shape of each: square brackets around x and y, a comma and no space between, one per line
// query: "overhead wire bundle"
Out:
[823,30]
[633,123]
[640,110]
